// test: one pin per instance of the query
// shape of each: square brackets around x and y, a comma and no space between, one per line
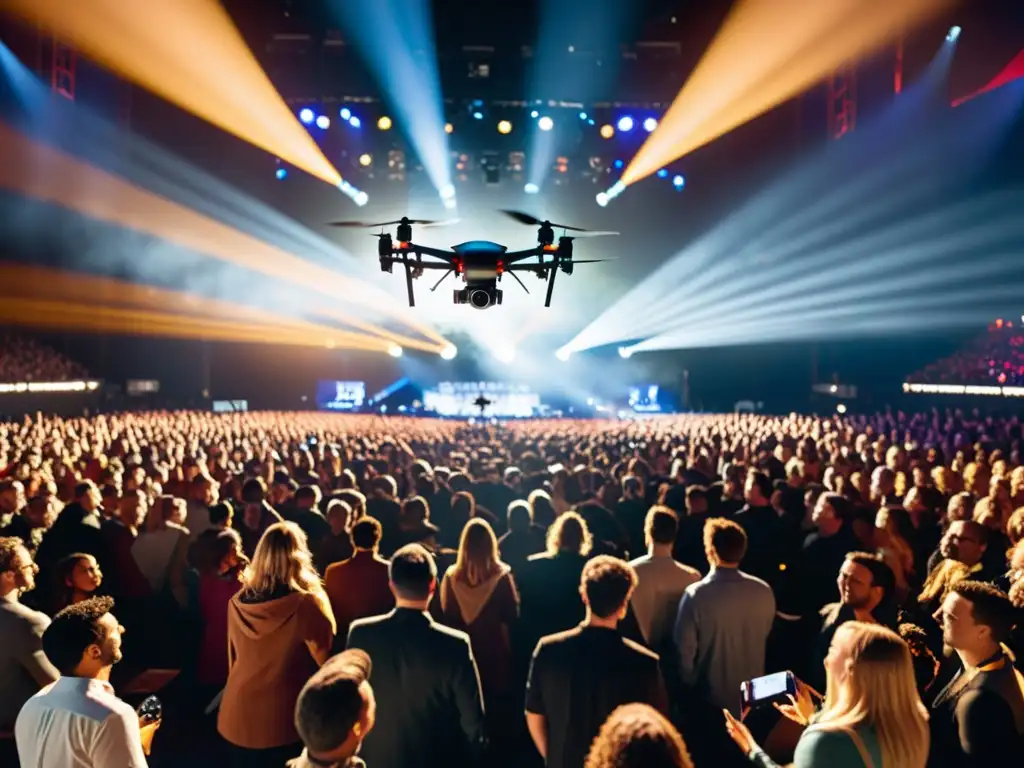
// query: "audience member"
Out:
[358,587]
[638,736]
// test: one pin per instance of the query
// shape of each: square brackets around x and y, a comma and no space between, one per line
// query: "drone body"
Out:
[480,264]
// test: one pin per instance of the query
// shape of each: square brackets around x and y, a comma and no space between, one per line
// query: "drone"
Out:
[480,263]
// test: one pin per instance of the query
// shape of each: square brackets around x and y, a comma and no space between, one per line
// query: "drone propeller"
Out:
[367,225]
[592,233]
[525,218]
[588,261]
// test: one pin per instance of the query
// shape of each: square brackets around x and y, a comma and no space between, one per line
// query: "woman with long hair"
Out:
[280,630]
[893,535]
[220,563]
[76,578]
[872,716]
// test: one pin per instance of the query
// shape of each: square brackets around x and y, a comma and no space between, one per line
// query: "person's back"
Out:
[429,704]
[358,587]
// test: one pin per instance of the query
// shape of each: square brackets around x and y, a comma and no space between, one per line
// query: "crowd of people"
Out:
[23,359]
[330,590]
[995,359]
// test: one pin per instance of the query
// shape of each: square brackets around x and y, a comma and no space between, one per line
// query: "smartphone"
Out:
[767,689]
[151,710]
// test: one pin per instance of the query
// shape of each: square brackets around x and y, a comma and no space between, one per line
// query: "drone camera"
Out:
[478,298]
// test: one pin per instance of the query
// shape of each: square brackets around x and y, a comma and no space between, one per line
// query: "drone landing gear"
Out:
[408,282]
[551,284]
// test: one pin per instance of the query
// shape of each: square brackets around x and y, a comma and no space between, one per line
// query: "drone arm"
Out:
[513,256]
[424,250]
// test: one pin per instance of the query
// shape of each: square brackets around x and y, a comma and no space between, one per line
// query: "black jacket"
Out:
[429,704]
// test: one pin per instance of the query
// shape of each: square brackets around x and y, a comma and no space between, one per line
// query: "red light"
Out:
[501,267]
[550,248]
[402,246]
[457,263]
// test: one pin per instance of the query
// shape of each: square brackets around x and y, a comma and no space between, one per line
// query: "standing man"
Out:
[425,678]
[579,677]
[24,668]
[78,721]
[978,718]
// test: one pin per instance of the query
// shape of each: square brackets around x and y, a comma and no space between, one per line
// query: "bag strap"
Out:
[858,742]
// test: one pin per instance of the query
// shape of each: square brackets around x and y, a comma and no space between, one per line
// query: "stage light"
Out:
[394,350]
[281,173]
[602,199]
[447,192]
[504,127]
[662,173]
[448,128]
[449,352]
[478,115]
[355,122]
[545,123]
[607,131]
[345,113]
[306,115]
[366,160]
[953,34]
[590,121]
[534,114]
[678,182]
[625,353]
[505,355]
[583,115]
[650,124]
[323,122]
[449,203]
[531,189]
[840,409]
[563,355]
[626,124]
[384,123]
[618,164]
[353,194]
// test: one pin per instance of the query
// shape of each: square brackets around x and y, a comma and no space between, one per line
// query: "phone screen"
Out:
[768,686]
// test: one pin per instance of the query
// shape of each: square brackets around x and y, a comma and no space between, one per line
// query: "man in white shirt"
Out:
[661,581]
[78,722]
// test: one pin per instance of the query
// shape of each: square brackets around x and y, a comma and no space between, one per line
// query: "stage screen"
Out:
[340,395]
[458,398]
[647,399]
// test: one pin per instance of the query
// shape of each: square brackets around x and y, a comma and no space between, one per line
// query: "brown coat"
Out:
[273,648]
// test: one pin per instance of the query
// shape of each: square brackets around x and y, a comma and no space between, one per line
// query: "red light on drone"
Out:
[550,248]
[402,246]
[457,263]
[501,268]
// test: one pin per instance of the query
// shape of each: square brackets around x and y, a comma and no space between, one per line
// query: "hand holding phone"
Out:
[767,689]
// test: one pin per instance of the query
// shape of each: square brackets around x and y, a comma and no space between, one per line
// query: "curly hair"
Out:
[638,736]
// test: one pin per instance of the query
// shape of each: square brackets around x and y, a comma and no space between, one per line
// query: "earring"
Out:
[357,729]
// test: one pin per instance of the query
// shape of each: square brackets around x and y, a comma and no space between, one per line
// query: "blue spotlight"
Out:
[626,124]
[583,115]
[306,115]
[534,114]
[618,164]
[478,115]
[663,173]
[591,121]
[545,123]
[678,182]
[953,34]
[650,124]
[323,122]
[531,189]
[355,122]
[478,102]
[345,113]
[281,173]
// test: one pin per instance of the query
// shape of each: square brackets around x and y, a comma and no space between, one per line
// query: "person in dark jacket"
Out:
[523,538]
[430,709]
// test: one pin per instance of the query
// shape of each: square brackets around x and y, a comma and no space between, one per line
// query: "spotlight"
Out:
[478,115]
[663,173]
[394,350]
[531,189]
[306,115]
[448,128]
[953,34]
[281,173]
[505,127]
[626,124]
[505,355]
[362,199]
[545,123]
[583,115]
[323,122]
[384,123]
[607,131]
[449,203]
[590,121]
[650,124]
[353,194]
[535,114]
[618,164]
[449,352]
[625,353]
[840,409]
[563,355]
[602,199]
[355,122]
[678,182]
[447,192]
[366,160]
[345,113]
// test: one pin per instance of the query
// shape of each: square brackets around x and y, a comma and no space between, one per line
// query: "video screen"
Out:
[340,395]
[646,399]
[459,398]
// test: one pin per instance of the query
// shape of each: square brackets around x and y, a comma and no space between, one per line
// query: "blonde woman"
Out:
[872,716]
[478,597]
[893,533]
[280,630]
